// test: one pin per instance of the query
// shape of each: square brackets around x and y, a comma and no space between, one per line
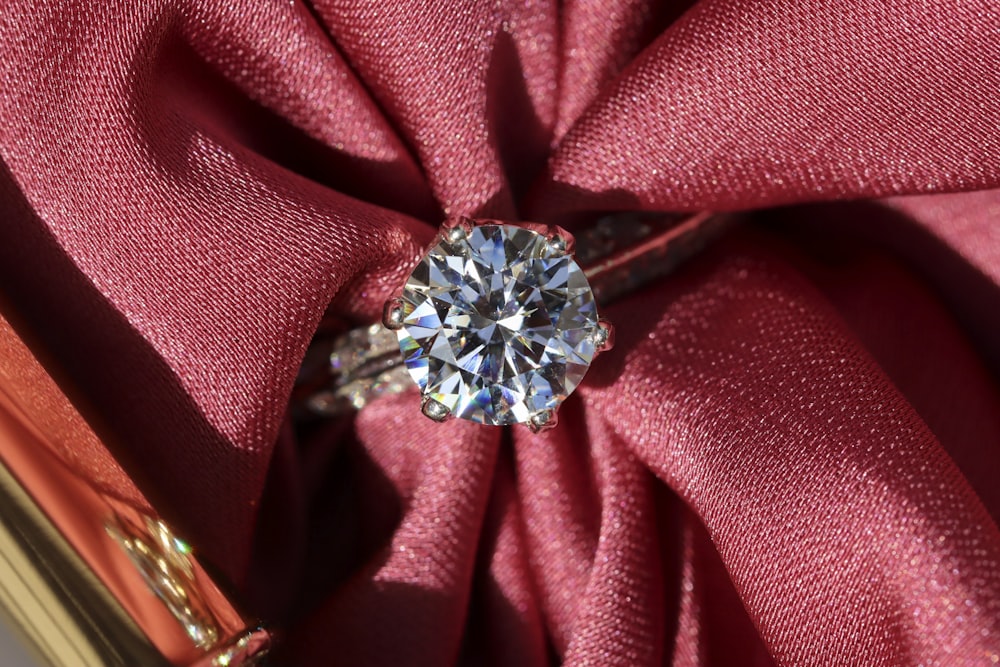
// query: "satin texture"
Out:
[790,457]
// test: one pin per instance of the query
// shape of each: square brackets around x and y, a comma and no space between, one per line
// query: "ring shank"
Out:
[618,254]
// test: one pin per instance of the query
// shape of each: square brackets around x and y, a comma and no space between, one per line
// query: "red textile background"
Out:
[790,458]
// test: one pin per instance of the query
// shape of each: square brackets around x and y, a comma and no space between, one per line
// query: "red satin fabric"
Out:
[790,458]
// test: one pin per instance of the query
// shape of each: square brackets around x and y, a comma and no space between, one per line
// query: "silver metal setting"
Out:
[435,410]
[455,230]
[392,314]
[561,242]
[604,338]
[543,421]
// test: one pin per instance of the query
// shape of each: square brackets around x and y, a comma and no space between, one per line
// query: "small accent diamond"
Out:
[498,325]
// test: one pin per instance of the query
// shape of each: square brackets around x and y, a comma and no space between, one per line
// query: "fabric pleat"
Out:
[789,458]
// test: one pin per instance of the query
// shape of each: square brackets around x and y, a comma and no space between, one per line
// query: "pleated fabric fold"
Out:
[788,459]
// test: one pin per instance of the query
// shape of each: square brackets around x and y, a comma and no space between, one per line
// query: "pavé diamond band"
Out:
[498,322]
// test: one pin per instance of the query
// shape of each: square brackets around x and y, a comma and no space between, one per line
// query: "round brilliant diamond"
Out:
[499,324]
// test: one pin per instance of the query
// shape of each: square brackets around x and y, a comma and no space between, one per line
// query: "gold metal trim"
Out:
[89,578]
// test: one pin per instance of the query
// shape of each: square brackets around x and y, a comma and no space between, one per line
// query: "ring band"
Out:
[618,254]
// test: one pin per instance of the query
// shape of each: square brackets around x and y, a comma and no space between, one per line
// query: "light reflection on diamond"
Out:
[498,327]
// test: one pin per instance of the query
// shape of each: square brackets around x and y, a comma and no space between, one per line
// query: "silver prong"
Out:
[435,410]
[324,403]
[392,314]
[604,337]
[455,230]
[561,242]
[543,421]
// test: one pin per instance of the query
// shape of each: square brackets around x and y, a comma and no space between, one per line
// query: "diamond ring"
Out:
[498,322]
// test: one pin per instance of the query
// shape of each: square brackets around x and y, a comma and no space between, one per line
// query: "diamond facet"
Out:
[499,325]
